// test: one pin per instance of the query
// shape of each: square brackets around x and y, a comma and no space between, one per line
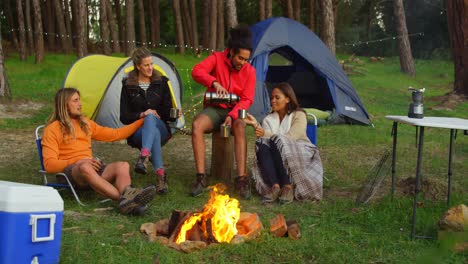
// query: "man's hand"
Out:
[228,121]
[149,112]
[220,90]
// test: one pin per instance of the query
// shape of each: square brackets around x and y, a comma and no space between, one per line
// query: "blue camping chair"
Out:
[312,130]
[44,174]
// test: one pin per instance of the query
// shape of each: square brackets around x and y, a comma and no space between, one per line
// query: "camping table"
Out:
[436,122]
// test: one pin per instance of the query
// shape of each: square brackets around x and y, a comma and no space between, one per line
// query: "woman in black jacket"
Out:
[145,94]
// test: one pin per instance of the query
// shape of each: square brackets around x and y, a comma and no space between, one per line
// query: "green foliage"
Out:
[333,230]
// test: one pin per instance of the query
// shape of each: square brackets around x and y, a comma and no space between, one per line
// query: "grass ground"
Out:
[334,230]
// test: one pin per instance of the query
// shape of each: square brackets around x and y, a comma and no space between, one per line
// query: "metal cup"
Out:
[225,131]
[174,113]
[242,113]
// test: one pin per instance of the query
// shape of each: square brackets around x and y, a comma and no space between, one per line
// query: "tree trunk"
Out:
[129,27]
[118,15]
[4,86]
[220,26]
[297,10]
[231,13]
[205,24]
[22,31]
[62,32]
[39,32]
[75,22]
[328,25]
[194,24]
[141,23]
[404,46]
[112,27]
[312,15]
[261,10]
[287,7]
[11,23]
[152,31]
[104,26]
[187,29]
[68,28]
[268,8]
[29,28]
[457,16]
[157,21]
[82,45]
[178,27]
[48,15]
[213,24]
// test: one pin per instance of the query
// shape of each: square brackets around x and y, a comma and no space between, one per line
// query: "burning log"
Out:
[175,220]
[278,226]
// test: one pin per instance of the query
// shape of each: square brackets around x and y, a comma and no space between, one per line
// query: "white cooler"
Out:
[30,223]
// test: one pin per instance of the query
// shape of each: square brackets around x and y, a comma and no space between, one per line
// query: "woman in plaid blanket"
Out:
[287,164]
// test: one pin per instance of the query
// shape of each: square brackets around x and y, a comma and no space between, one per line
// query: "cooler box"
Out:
[30,223]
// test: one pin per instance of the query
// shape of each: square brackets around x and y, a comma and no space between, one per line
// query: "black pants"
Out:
[271,165]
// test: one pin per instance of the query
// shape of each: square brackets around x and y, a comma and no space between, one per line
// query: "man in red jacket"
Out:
[223,73]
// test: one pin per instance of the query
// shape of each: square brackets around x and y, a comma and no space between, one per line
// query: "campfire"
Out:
[220,221]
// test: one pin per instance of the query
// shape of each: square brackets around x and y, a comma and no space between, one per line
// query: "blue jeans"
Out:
[152,135]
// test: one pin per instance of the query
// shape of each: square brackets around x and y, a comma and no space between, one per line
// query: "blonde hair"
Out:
[62,115]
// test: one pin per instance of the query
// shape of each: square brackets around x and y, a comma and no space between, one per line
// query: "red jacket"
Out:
[218,67]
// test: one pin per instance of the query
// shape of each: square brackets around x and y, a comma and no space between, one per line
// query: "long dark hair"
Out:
[288,91]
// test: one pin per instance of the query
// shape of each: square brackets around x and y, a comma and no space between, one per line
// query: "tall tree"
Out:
[268,8]
[112,27]
[312,15]
[220,26]
[152,30]
[39,36]
[11,22]
[231,14]
[404,46]
[27,9]
[62,31]
[141,23]
[178,27]
[22,31]
[213,24]
[328,25]
[287,7]
[82,39]
[66,14]
[186,20]
[157,21]
[457,16]
[206,23]
[118,16]
[104,27]
[4,86]
[49,25]
[194,24]
[129,27]
[297,10]
[261,10]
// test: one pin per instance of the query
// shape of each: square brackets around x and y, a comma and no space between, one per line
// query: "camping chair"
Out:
[312,130]
[44,174]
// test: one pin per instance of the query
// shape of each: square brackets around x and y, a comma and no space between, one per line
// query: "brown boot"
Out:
[200,185]
[134,198]
[287,194]
[141,164]
[161,184]
[243,187]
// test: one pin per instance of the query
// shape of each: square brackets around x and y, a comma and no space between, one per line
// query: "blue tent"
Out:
[307,64]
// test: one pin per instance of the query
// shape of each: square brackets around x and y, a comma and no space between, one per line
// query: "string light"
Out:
[421,34]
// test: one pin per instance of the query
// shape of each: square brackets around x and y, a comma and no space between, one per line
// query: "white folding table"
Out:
[436,122]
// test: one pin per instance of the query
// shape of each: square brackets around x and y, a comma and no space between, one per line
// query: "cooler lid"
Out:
[20,197]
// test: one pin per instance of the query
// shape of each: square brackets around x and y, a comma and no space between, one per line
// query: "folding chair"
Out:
[44,174]
[312,130]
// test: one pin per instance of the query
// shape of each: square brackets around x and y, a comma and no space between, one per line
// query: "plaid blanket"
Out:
[303,164]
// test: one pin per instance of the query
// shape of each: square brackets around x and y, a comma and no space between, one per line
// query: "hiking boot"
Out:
[141,164]
[243,186]
[133,198]
[272,195]
[161,184]
[139,211]
[287,195]
[200,185]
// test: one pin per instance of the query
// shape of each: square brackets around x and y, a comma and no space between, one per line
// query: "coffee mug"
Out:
[242,113]
[174,113]
[225,131]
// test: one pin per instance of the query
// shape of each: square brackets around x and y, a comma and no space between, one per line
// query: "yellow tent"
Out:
[99,79]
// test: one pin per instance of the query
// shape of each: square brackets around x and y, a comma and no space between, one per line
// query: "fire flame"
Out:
[223,213]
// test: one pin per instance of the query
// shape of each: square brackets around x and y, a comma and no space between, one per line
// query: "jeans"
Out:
[271,165]
[152,135]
